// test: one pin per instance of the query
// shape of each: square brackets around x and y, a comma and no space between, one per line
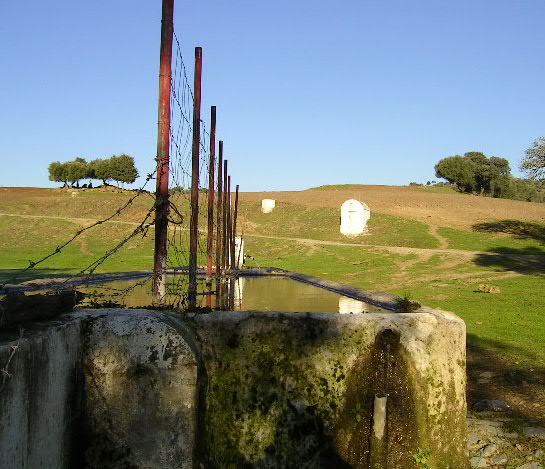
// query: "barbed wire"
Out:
[32,264]
[181,142]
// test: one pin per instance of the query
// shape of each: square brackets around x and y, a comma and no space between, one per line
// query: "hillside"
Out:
[443,208]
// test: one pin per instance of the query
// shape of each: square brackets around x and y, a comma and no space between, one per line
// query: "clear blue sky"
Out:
[308,92]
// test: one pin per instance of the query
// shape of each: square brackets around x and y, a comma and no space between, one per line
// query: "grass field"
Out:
[436,247]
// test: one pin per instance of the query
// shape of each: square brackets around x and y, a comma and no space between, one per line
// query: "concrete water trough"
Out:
[136,388]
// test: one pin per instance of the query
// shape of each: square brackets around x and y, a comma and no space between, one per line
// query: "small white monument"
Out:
[354,217]
[239,252]
[267,205]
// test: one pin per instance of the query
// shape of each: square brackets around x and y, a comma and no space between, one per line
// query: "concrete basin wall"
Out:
[40,395]
[148,389]
[293,389]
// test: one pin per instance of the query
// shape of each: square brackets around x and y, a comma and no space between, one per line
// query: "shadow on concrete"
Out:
[492,374]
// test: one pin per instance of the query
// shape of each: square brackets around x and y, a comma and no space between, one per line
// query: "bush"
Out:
[476,173]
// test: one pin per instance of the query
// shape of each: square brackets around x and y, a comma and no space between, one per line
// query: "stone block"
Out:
[141,387]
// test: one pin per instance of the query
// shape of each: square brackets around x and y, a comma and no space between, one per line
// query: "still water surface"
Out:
[248,294]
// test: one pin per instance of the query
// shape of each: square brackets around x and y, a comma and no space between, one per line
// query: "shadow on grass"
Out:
[518,229]
[16,276]
[523,261]
[521,387]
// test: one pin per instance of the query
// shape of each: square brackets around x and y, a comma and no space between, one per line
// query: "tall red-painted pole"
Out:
[163,154]
[211,177]
[235,215]
[219,230]
[224,219]
[194,221]
[229,226]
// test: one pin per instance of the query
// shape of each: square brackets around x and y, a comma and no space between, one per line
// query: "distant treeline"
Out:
[475,173]
[118,168]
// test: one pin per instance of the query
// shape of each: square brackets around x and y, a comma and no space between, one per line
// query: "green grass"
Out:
[23,240]
[491,242]
[509,323]
[297,221]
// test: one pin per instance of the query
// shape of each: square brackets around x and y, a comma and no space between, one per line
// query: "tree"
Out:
[76,170]
[534,161]
[122,169]
[457,170]
[70,172]
[57,173]
[101,169]
[474,172]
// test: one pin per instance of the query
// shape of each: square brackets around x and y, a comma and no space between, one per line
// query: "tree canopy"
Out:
[475,173]
[118,168]
[534,161]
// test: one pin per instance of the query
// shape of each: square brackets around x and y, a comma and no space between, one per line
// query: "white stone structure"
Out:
[239,252]
[267,205]
[354,217]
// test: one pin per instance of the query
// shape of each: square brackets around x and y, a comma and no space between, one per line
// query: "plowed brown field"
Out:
[434,208]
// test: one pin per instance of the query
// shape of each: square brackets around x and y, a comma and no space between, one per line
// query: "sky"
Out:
[308,92]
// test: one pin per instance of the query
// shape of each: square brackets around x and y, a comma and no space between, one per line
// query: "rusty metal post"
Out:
[211,173]
[219,213]
[194,221]
[211,178]
[229,226]
[233,249]
[163,154]
[224,218]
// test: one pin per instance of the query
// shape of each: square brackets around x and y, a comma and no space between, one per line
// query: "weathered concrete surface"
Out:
[283,389]
[296,390]
[39,395]
[141,391]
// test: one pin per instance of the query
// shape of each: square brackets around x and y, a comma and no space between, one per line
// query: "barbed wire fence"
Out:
[182,101]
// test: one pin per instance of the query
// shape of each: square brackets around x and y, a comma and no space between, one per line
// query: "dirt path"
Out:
[402,249]
[308,241]
[434,231]
[83,220]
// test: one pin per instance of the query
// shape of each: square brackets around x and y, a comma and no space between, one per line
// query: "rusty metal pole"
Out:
[194,221]
[211,176]
[229,226]
[233,251]
[219,213]
[224,218]
[163,154]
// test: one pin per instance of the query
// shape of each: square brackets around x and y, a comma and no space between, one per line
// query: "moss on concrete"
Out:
[296,390]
